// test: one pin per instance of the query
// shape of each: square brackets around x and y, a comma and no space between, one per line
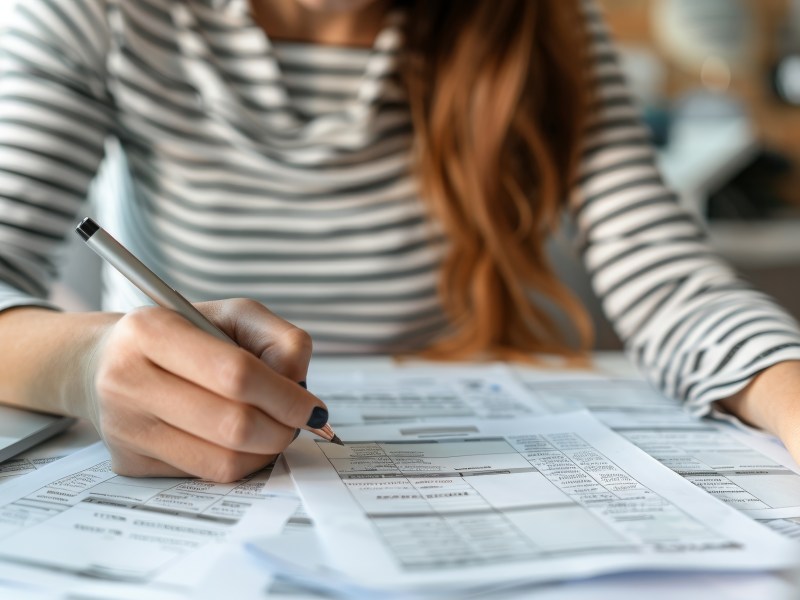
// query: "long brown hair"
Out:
[498,95]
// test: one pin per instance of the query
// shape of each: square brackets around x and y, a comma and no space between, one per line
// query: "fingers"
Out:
[176,346]
[162,450]
[174,401]
[131,464]
[281,345]
[195,410]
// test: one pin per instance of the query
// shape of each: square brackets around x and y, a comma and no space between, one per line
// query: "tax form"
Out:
[750,472]
[537,499]
[75,522]
[739,469]
[303,545]
[422,393]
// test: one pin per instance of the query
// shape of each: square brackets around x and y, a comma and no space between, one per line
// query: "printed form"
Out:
[77,521]
[419,394]
[540,499]
[308,576]
[748,471]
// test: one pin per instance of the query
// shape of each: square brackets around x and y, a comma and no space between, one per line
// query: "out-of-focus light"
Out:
[787,79]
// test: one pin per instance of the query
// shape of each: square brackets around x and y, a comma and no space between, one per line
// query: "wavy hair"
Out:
[498,96]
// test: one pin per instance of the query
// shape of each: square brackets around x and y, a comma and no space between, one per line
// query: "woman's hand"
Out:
[171,400]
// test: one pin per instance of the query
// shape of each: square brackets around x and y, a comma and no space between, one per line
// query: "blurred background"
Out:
[718,82]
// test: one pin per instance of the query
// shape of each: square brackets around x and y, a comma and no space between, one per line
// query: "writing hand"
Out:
[171,400]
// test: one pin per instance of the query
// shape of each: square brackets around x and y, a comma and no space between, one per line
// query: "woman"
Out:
[383,174]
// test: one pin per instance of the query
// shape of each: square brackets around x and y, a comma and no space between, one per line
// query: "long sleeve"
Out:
[54,118]
[695,330]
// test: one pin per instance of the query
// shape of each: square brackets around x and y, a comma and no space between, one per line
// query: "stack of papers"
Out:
[453,482]
[748,470]
[75,525]
[513,502]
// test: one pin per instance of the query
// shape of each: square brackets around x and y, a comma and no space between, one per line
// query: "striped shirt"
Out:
[282,172]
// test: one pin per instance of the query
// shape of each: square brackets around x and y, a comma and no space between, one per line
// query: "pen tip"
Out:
[335,440]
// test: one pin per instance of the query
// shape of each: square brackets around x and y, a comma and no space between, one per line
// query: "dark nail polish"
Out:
[318,418]
[296,433]
[303,385]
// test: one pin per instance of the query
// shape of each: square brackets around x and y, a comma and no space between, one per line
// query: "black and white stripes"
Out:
[696,330]
[282,172]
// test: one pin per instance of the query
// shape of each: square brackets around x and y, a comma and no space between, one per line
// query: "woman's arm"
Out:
[55,115]
[44,358]
[771,401]
[697,331]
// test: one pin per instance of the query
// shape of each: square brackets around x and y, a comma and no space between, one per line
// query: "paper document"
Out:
[315,579]
[419,394]
[538,499]
[748,472]
[76,520]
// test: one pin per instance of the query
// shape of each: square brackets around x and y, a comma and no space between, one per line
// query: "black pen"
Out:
[135,271]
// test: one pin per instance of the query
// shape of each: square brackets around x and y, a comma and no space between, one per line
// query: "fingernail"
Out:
[296,433]
[303,385]
[318,418]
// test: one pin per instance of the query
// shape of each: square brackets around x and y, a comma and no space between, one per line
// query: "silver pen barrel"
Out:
[143,278]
